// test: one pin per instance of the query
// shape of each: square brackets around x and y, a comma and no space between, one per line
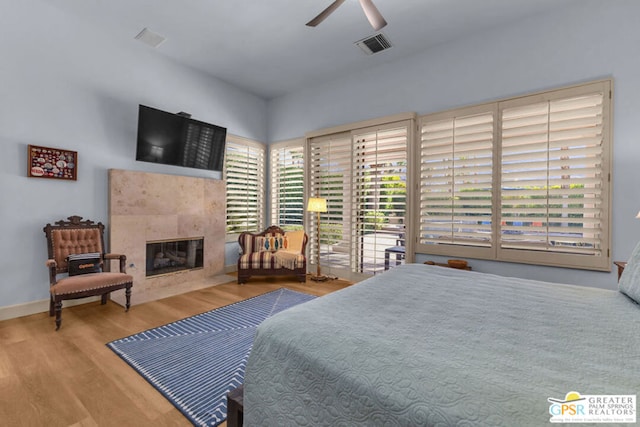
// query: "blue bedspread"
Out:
[424,345]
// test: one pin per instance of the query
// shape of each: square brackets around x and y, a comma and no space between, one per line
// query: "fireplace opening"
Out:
[169,256]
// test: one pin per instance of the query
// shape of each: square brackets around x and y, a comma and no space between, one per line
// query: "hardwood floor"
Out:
[71,378]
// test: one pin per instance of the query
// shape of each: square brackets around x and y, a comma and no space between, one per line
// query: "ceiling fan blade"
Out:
[323,15]
[373,15]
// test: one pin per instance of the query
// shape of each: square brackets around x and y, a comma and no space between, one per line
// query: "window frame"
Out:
[598,262]
[350,131]
[260,196]
[453,249]
[275,198]
[370,170]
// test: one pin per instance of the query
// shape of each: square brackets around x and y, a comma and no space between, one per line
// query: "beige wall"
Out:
[150,206]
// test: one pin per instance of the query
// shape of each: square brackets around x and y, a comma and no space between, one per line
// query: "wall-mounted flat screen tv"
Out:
[176,139]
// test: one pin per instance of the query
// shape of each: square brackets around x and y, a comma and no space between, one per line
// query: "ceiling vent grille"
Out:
[374,44]
[150,38]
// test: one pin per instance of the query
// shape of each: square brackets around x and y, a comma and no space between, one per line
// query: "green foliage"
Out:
[394,193]
[331,233]
[373,220]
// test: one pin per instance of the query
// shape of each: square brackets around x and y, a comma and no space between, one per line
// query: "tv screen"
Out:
[178,140]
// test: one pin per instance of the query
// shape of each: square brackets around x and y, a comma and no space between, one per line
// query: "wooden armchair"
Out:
[75,237]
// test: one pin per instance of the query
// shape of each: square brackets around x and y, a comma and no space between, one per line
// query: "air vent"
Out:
[374,44]
[150,38]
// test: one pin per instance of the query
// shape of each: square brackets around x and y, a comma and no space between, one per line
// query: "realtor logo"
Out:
[577,408]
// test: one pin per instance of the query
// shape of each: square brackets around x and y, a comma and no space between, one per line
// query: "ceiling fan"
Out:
[373,15]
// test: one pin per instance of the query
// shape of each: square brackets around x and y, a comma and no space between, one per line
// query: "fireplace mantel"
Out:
[146,207]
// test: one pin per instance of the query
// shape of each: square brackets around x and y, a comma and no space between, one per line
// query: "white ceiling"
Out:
[264,47]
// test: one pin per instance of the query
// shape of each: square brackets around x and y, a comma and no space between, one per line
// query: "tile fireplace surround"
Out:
[146,207]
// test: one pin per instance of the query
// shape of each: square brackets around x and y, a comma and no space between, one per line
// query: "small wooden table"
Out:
[235,407]
[467,267]
[621,265]
[398,250]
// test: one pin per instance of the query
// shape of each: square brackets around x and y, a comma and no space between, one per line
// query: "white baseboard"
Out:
[232,268]
[34,307]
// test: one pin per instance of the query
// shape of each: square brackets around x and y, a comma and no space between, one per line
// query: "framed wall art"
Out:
[57,163]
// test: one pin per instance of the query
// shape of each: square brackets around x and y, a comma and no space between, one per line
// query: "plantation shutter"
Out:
[330,178]
[287,185]
[456,178]
[380,194]
[244,175]
[552,174]
[523,180]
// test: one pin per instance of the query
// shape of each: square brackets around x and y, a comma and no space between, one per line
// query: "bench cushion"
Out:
[92,281]
[265,260]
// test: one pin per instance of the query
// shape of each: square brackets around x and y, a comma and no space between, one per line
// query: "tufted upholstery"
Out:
[76,236]
[269,254]
[74,241]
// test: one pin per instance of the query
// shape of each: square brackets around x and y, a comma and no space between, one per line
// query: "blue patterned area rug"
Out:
[195,362]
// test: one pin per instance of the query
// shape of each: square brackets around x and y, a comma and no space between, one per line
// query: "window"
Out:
[554,178]
[380,196]
[330,178]
[362,172]
[523,180]
[244,174]
[456,180]
[287,184]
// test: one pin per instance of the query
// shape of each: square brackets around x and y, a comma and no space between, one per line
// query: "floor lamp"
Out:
[317,204]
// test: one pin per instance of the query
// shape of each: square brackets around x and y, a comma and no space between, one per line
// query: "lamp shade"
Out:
[317,204]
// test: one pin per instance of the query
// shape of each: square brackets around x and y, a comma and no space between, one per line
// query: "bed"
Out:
[425,345]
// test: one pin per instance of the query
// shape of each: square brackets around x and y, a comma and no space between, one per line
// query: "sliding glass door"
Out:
[363,175]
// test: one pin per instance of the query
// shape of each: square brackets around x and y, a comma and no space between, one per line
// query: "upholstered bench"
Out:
[273,252]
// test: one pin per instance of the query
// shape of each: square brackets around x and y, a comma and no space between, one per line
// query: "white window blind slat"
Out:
[330,178]
[456,177]
[362,174]
[287,185]
[244,176]
[541,194]
[380,176]
[551,190]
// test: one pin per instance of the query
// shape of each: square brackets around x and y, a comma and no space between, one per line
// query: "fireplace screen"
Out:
[168,256]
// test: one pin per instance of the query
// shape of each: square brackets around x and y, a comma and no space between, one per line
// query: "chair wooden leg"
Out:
[51,307]
[103,299]
[58,314]
[127,294]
